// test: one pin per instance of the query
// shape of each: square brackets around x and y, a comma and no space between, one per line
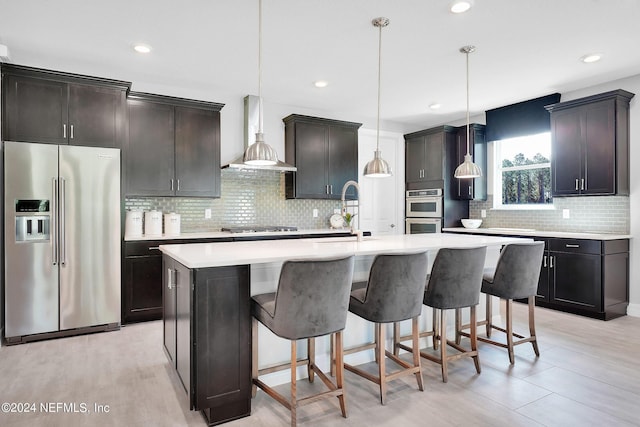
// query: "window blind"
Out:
[521,119]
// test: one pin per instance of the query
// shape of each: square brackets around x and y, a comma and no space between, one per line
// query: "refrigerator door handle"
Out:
[62,219]
[54,225]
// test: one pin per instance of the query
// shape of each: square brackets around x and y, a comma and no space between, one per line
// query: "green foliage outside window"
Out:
[526,181]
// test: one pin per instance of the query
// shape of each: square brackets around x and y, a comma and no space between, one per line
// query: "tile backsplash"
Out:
[248,198]
[588,214]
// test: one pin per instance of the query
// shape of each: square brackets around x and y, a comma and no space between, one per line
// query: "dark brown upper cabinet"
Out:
[173,147]
[325,152]
[590,145]
[61,108]
[430,156]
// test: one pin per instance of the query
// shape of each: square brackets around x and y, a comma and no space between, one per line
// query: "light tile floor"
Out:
[588,374]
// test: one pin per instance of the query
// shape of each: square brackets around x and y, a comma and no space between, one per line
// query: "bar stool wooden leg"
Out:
[510,331]
[292,401]
[458,324]
[474,338]
[254,355]
[396,338]
[332,355]
[434,328]
[376,334]
[443,344]
[416,352]
[532,325]
[311,358]
[380,347]
[489,316]
[340,370]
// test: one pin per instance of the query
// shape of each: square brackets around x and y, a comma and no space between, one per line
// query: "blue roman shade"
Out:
[521,119]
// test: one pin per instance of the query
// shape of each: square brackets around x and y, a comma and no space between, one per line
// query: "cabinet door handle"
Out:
[544,261]
[154,248]
[64,130]
[178,185]
[71,132]
[171,184]
[576,184]
[169,275]
[550,262]
[469,190]
[571,246]
[330,188]
[582,184]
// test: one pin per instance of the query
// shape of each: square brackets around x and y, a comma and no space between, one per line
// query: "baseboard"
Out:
[633,310]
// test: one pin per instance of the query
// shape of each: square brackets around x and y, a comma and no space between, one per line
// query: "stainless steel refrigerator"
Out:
[62,240]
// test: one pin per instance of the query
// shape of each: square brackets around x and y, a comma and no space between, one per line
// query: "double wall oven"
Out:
[423,211]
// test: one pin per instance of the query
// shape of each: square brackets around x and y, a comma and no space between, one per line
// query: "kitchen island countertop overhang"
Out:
[205,255]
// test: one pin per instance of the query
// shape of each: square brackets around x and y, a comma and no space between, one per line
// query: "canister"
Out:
[133,224]
[172,224]
[153,223]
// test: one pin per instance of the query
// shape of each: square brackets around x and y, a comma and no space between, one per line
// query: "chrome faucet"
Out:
[344,202]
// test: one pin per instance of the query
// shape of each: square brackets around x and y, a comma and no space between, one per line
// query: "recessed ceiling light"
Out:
[435,106]
[320,83]
[592,57]
[142,48]
[460,6]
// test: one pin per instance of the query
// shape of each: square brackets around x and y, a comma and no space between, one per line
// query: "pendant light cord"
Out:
[467,54]
[260,66]
[379,80]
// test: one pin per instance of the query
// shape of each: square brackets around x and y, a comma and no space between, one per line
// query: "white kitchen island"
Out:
[206,292]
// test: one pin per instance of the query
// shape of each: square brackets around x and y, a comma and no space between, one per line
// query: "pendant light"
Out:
[378,167]
[260,153]
[467,169]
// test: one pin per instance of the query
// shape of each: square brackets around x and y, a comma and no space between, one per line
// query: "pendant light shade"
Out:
[378,167]
[260,153]
[467,169]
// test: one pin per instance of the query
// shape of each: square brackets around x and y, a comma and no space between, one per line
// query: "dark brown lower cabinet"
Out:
[141,281]
[142,278]
[583,276]
[589,277]
[207,337]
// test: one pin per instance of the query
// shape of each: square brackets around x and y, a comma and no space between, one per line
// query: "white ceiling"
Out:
[207,49]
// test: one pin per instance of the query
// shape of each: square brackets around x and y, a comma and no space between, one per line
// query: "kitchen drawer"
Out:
[150,247]
[576,246]
[144,248]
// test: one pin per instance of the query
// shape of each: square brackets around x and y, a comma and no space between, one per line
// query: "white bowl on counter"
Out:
[471,223]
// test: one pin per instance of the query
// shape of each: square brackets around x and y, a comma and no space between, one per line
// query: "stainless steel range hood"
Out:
[251,106]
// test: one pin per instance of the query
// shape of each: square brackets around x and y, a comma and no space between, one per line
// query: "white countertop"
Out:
[203,255]
[223,234]
[539,233]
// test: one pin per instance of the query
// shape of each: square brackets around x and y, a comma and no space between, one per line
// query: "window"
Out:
[523,171]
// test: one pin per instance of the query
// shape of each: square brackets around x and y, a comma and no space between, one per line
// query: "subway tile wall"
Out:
[248,198]
[588,214]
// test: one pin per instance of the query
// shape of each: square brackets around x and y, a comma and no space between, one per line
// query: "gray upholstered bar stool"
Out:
[515,277]
[392,293]
[454,283]
[312,300]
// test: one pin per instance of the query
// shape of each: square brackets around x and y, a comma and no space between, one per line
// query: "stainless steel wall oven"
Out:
[423,211]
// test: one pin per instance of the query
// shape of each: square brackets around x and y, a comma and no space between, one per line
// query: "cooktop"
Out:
[258,228]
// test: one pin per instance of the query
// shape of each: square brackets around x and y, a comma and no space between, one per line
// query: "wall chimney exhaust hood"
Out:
[251,106]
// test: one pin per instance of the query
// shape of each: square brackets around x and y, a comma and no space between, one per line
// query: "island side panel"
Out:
[221,333]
